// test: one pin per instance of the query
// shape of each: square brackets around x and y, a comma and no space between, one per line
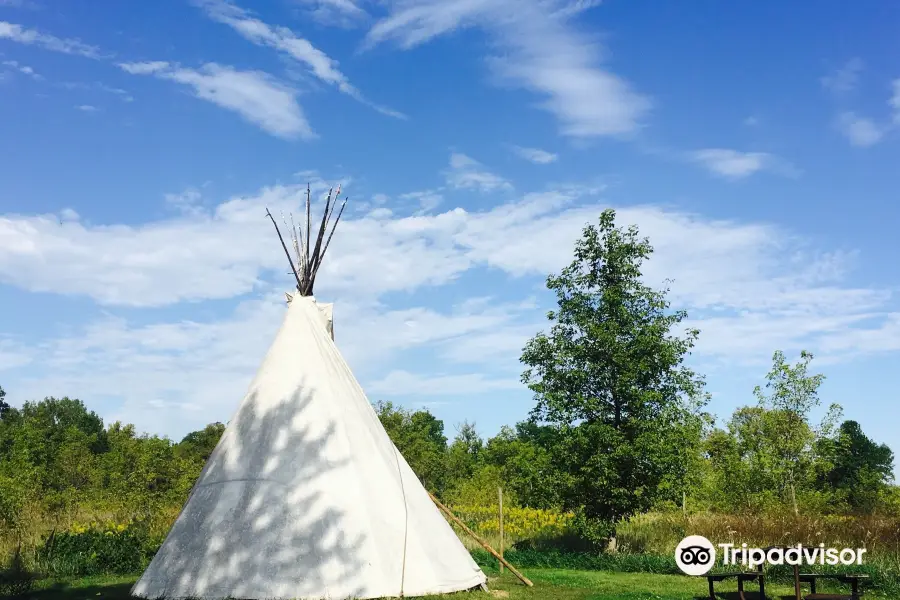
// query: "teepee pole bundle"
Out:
[310,259]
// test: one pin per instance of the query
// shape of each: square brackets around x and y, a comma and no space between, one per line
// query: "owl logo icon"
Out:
[695,555]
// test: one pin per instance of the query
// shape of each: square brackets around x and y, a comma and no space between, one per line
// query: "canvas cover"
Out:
[306,496]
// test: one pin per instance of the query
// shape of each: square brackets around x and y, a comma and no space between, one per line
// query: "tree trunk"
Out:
[794,500]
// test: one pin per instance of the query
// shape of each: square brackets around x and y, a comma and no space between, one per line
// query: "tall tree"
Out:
[4,406]
[610,374]
[790,394]
[860,469]
[464,454]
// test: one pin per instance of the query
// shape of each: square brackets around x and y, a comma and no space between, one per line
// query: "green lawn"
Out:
[549,584]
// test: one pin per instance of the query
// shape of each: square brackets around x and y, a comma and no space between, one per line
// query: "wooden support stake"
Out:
[483,543]
[500,495]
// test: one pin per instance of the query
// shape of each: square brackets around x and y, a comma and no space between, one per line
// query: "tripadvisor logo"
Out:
[696,555]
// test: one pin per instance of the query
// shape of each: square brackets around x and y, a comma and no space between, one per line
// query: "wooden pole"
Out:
[500,494]
[483,543]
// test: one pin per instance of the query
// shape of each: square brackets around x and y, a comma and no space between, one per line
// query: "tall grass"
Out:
[659,533]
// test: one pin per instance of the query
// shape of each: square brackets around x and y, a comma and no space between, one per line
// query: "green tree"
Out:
[610,375]
[4,406]
[860,469]
[790,394]
[199,445]
[464,455]
[524,457]
[419,437]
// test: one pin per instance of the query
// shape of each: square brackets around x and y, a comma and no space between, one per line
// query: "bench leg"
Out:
[712,594]
[762,588]
[741,589]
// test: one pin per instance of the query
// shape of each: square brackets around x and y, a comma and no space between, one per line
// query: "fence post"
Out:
[500,494]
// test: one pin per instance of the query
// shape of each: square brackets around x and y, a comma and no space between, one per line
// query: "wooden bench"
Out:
[741,578]
[853,580]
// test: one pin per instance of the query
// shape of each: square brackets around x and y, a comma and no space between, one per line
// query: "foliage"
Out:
[96,549]
[199,445]
[519,523]
[4,405]
[859,470]
[15,578]
[610,377]
[420,439]
[789,437]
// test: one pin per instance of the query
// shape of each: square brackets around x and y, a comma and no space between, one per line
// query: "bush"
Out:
[96,550]
[518,523]
[15,579]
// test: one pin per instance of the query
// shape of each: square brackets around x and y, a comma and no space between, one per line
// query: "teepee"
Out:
[305,496]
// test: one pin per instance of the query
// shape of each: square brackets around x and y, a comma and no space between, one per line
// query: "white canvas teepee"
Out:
[305,495]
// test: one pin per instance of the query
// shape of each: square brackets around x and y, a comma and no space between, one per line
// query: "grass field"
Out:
[549,584]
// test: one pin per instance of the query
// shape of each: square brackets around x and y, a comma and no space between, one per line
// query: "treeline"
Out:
[619,428]
[59,465]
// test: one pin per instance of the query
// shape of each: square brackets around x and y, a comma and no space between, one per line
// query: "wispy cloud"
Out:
[404,383]
[467,173]
[284,40]
[123,95]
[17,33]
[860,131]
[535,155]
[541,52]
[24,69]
[895,100]
[845,79]
[88,108]
[341,13]
[428,200]
[256,96]
[19,4]
[733,164]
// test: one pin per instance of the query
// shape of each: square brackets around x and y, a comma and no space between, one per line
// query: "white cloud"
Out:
[283,39]
[403,383]
[540,51]
[749,288]
[341,13]
[186,202]
[428,200]
[88,108]
[844,79]
[733,164]
[17,33]
[860,131]
[468,173]
[535,155]
[256,96]
[24,69]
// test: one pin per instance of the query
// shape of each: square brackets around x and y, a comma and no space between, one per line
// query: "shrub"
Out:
[518,523]
[112,549]
[15,578]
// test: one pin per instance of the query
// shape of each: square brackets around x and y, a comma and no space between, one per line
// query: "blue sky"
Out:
[756,143]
